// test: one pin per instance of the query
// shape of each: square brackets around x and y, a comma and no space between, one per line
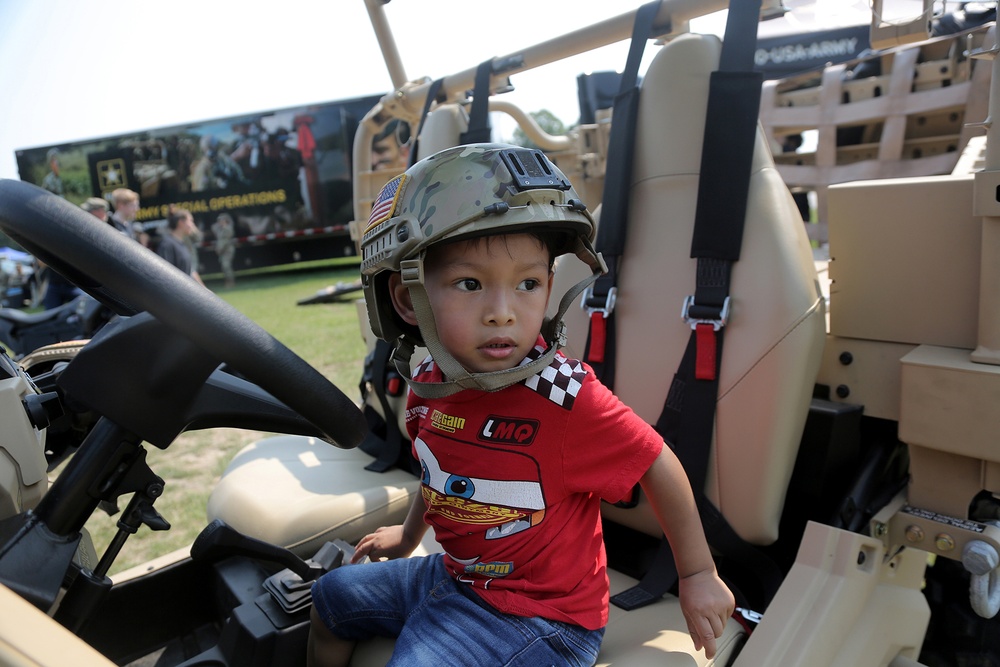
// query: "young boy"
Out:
[517,444]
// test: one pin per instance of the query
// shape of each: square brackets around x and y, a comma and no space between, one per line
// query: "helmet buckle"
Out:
[411,271]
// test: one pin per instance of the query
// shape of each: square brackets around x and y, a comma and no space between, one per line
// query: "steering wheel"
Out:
[129,279]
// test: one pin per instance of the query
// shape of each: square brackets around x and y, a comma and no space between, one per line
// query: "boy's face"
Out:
[488,297]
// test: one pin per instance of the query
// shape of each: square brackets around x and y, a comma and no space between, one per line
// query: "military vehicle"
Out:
[908,109]
[845,478]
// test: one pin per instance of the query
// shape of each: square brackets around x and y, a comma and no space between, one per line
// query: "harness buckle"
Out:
[716,322]
[606,308]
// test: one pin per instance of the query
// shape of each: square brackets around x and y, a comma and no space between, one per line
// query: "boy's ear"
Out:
[401,299]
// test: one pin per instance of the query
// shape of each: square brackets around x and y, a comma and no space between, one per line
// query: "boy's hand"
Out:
[385,542]
[707,604]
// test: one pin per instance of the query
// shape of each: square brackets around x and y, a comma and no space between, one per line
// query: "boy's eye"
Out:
[530,284]
[468,284]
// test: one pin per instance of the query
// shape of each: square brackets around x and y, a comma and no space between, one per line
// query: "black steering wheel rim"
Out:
[129,278]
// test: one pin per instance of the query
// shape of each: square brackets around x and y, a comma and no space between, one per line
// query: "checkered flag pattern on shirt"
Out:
[425,366]
[560,381]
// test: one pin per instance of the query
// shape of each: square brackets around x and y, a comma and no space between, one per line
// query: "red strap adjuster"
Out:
[706,343]
[705,347]
[598,338]
[598,322]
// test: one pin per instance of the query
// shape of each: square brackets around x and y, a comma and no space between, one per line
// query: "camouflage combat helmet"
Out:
[460,193]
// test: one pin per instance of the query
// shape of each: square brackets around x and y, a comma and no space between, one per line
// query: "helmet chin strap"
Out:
[456,377]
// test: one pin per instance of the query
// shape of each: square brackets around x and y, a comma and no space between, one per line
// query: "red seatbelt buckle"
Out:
[599,314]
[705,355]
[705,328]
[598,338]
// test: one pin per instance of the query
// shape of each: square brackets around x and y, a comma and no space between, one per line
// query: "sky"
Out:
[81,69]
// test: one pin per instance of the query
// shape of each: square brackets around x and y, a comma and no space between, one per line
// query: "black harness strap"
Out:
[687,419]
[599,300]
[479,117]
[432,94]
[391,449]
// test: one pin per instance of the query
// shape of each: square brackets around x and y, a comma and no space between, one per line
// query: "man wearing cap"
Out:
[97,207]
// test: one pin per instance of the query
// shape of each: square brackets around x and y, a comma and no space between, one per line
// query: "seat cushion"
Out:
[658,635]
[301,492]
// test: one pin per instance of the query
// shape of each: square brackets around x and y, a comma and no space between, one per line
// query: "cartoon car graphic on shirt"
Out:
[472,498]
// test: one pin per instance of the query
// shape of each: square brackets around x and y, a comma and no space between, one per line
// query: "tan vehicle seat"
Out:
[777,325]
[772,355]
[300,493]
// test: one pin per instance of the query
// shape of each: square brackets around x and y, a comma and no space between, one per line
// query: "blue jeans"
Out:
[438,621]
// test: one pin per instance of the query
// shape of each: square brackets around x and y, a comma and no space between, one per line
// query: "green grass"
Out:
[326,335]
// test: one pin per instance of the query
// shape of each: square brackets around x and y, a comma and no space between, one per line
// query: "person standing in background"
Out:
[180,224]
[52,181]
[193,240]
[126,203]
[225,246]
[97,207]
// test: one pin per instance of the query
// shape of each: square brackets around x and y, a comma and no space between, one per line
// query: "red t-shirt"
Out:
[513,482]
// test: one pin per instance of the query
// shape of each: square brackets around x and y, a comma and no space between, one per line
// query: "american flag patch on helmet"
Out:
[385,203]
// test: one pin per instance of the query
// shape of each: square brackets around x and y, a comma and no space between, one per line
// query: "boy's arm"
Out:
[705,600]
[395,541]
